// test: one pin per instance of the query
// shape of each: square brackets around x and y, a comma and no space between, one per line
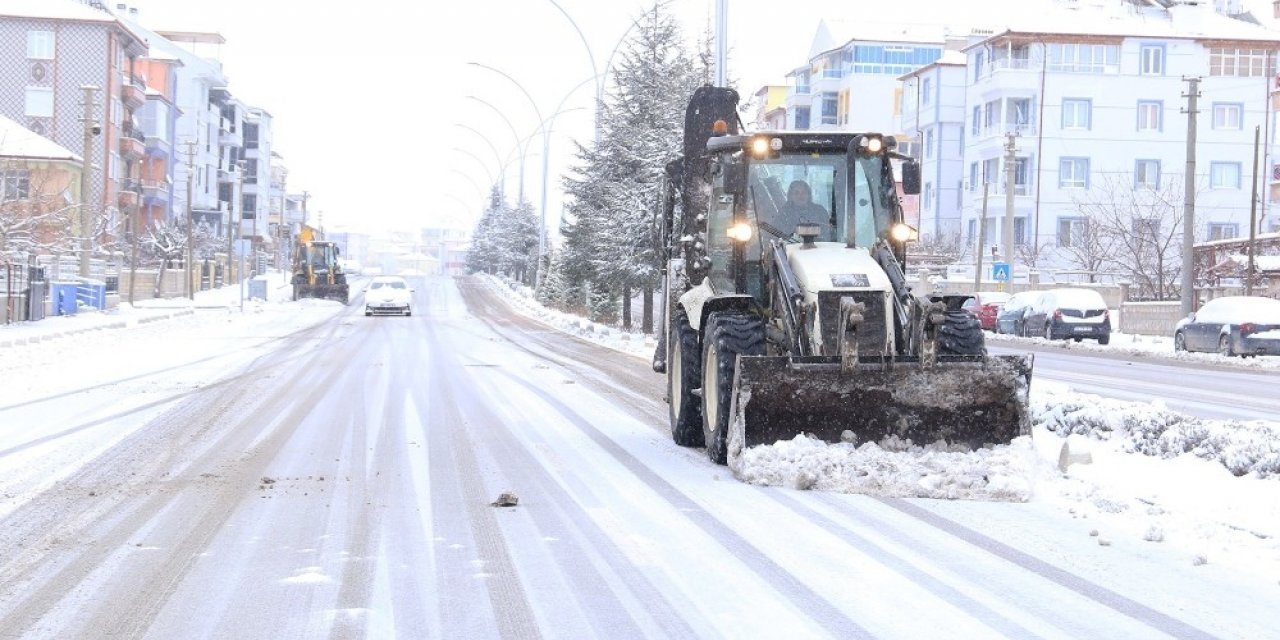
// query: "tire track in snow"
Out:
[1093,591]
[822,611]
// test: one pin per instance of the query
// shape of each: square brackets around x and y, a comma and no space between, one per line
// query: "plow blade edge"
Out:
[971,401]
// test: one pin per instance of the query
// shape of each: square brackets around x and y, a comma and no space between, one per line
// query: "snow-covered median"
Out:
[524,303]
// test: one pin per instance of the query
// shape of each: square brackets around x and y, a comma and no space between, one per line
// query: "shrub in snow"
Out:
[1154,534]
[1153,430]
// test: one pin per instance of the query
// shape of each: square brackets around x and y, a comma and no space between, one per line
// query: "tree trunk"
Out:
[647,319]
[626,307]
[159,290]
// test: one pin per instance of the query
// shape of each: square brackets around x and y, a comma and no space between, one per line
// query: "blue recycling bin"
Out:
[92,293]
[63,296]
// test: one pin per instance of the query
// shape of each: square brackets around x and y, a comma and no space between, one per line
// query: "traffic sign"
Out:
[1000,272]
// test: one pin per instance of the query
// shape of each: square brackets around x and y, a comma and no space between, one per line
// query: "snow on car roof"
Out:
[1245,309]
[1079,298]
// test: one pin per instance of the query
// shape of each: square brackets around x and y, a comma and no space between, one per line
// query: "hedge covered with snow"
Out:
[1242,447]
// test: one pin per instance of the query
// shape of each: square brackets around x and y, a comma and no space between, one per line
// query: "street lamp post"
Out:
[516,136]
[502,174]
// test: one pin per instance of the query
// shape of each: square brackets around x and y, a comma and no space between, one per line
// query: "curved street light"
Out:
[469,179]
[487,173]
[514,135]
[497,156]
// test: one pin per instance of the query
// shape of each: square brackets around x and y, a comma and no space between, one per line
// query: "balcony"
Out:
[133,93]
[128,196]
[155,191]
[132,146]
[227,137]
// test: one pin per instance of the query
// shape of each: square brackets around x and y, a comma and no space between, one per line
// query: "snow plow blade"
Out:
[965,400]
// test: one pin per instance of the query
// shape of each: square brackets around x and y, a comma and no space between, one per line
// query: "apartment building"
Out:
[1094,93]
[49,49]
[933,114]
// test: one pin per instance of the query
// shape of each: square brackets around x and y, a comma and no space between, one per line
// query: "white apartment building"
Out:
[933,114]
[1095,92]
[256,198]
[851,79]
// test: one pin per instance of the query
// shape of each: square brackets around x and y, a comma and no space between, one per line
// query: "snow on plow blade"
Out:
[966,400]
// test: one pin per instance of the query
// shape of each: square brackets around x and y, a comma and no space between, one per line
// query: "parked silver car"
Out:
[1233,326]
[1069,314]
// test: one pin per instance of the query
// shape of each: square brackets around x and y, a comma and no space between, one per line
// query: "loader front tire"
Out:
[684,371]
[961,335]
[728,335]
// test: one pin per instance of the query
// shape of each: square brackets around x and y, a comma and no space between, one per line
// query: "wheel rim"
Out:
[1048,331]
[1178,342]
[711,390]
[1224,346]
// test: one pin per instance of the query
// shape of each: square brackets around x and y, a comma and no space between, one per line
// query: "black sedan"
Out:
[1233,326]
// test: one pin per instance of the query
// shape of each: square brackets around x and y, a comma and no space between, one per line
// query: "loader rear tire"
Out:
[728,335]
[684,371]
[961,335]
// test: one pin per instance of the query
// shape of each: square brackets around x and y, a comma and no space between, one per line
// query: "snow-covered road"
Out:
[314,473]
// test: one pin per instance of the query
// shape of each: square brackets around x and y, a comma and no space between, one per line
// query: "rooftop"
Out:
[17,141]
[1126,19]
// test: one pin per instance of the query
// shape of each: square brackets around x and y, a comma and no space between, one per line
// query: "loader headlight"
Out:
[740,232]
[760,147]
[902,232]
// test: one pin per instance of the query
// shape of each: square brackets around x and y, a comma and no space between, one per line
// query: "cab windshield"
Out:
[786,191]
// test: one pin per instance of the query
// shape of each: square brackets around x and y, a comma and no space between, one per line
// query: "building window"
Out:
[1227,116]
[1223,231]
[1072,231]
[977,120]
[1076,113]
[40,45]
[1152,60]
[830,106]
[1019,112]
[248,206]
[17,185]
[926,91]
[1147,228]
[1073,173]
[1020,230]
[992,110]
[1149,112]
[1238,62]
[1021,176]
[1084,58]
[1146,173]
[1224,175]
[39,102]
[991,172]
[928,144]
[802,118]
[978,59]
[973,176]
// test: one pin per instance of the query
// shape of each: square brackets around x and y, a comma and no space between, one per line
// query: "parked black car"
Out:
[1069,314]
[1233,326]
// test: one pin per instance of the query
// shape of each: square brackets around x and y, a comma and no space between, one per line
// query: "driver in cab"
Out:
[799,207]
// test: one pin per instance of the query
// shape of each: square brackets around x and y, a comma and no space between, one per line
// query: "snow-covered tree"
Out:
[614,191]
[505,240]
[33,219]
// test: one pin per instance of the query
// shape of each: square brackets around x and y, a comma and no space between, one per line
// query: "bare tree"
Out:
[35,215]
[1139,232]
[166,242]
[1085,242]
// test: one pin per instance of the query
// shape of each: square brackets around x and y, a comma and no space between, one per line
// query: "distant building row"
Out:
[1094,91]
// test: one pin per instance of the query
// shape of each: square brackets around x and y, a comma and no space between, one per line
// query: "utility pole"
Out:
[722,42]
[91,129]
[240,166]
[191,179]
[1189,199]
[1010,177]
[306,195]
[982,236]
[1253,211]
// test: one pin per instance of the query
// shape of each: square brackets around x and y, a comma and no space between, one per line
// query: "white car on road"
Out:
[387,295]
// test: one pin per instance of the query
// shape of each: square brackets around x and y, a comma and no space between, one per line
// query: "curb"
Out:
[116,324]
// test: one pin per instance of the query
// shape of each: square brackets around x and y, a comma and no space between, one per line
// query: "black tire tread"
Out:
[735,333]
[961,335]
[686,429]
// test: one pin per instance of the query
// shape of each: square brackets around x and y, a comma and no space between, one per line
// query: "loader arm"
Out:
[902,300]
[789,297]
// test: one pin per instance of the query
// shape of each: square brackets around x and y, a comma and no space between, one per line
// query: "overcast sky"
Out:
[367,95]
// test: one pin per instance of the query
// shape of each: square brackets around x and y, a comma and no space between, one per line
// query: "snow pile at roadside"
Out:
[523,302]
[1010,472]
[1144,346]
[894,468]
[1151,429]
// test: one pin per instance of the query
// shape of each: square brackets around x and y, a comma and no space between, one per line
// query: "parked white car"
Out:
[388,295]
